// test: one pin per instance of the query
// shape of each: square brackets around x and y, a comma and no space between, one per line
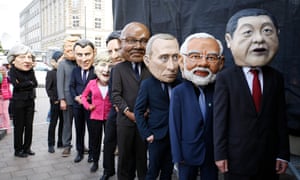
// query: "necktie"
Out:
[136,71]
[202,103]
[166,89]
[256,90]
[84,76]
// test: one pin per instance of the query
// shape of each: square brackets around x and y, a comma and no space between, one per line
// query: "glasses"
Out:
[133,41]
[196,57]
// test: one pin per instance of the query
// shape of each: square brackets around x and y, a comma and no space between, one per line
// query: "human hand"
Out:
[130,115]
[281,166]
[150,139]
[63,105]
[116,108]
[78,99]
[146,114]
[92,107]
[222,165]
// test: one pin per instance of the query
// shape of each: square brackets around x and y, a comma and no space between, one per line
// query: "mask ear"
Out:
[228,39]
[146,60]
[181,63]
[221,62]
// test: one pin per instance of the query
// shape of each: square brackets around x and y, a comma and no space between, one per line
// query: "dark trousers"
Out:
[265,170]
[230,176]
[110,143]
[81,118]
[96,128]
[208,170]
[55,114]
[23,112]
[132,153]
[160,160]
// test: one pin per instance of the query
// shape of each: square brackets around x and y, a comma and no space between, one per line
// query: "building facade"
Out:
[45,23]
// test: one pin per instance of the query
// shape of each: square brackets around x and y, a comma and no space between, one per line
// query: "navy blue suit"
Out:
[81,115]
[153,98]
[191,134]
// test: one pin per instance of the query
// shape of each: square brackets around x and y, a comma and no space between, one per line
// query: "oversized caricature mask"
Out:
[103,65]
[162,58]
[252,37]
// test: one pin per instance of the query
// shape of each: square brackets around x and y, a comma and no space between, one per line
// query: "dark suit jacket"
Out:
[76,84]
[247,139]
[190,134]
[51,85]
[152,96]
[125,88]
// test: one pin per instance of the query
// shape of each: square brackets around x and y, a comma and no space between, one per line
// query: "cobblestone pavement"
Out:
[45,165]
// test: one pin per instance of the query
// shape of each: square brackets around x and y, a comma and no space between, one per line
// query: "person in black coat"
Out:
[126,79]
[110,138]
[24,83]
[55,111]
[250,130]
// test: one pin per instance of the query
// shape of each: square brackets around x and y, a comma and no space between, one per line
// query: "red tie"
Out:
[256,90]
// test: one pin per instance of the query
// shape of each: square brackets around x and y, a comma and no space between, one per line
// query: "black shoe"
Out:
[78,158]
[21,154]
[94,167]
[90,159]
[30,152]
[106,176]
[51,149]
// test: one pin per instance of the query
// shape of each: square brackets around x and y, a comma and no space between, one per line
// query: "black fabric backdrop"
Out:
[183,17]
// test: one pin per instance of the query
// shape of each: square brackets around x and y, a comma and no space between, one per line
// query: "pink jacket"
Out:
[102,105]
[5,90]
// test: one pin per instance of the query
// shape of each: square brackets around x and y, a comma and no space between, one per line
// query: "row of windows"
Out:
[76,4]
[76,22]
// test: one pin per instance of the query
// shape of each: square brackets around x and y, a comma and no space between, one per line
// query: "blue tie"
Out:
[202,103]
[136,71]
[84,76]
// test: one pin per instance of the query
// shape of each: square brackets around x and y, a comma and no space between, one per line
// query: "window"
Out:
[75,4]
[75,21]
[97,4]
[98,23]
[98,41]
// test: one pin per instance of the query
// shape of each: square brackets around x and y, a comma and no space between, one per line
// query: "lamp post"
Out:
[84,22]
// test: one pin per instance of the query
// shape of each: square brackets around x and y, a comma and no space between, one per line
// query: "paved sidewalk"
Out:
[45,165]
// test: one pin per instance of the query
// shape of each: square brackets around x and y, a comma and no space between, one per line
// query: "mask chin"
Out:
[198,80]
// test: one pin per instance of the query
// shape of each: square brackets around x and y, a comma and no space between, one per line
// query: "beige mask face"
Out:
[163,62]
[254,42]
[24,62]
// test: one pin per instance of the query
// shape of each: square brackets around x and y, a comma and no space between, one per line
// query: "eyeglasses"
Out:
[133,41]
[210,58]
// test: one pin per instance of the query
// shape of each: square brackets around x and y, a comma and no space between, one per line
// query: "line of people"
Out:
[176,104]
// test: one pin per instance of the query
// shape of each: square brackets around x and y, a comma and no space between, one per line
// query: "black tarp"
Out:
[183,17]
